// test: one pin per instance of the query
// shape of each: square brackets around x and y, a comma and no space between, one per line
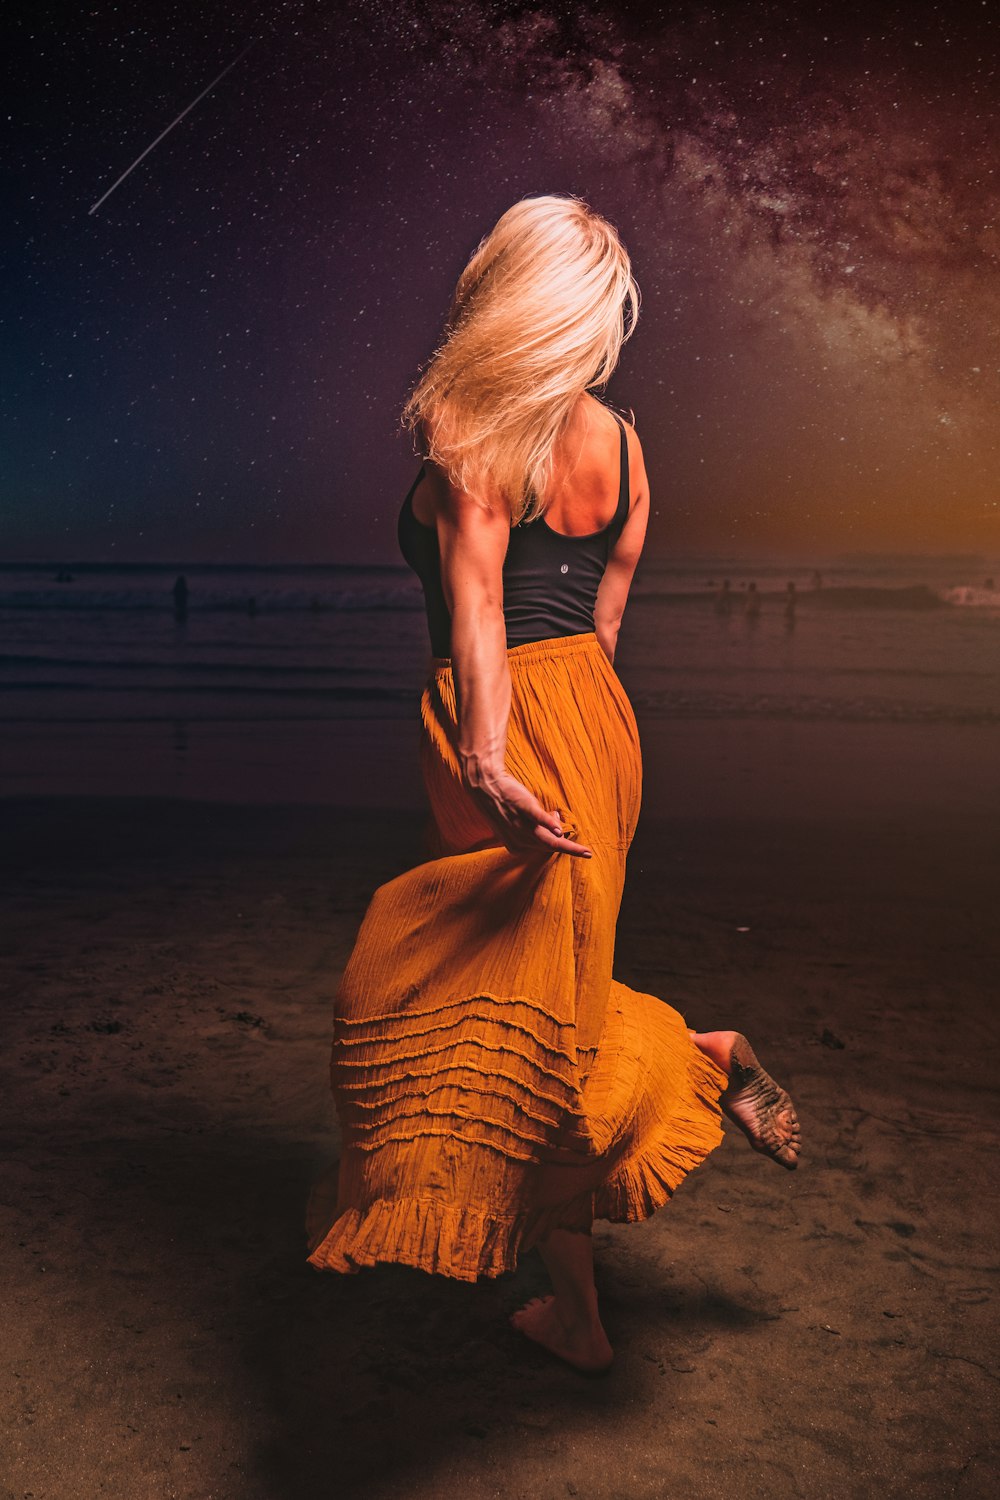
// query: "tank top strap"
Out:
[624,489]
[408,502]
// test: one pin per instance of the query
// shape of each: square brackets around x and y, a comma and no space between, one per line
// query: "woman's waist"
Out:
[566,682]
[550,646]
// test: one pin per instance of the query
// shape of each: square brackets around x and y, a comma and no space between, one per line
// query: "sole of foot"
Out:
[760,1107]
[587,1350]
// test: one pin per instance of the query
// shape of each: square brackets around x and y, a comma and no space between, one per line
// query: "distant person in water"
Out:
[180,592]
[817,579]
[989,585]
[724,599]
[751,607]
[791,599]
[497,1087]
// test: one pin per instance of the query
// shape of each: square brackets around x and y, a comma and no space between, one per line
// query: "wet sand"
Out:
[168,968]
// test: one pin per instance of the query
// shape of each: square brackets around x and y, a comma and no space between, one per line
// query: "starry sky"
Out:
[209,365]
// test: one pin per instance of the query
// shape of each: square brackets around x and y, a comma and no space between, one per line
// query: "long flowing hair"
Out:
[539,315]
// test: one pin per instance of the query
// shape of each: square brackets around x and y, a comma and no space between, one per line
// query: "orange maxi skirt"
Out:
[492,1080]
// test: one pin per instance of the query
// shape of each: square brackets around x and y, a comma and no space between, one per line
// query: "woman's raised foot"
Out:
[760,1107]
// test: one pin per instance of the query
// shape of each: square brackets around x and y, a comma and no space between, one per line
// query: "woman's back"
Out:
[555,563]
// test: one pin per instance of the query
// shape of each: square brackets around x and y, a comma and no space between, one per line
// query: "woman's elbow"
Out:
[608,618]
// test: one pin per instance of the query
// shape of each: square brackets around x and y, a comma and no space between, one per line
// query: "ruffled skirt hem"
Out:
[466,1242]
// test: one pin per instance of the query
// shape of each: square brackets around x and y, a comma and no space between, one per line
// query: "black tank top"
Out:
[550,580]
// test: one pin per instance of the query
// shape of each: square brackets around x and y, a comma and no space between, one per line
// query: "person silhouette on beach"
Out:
[817,579]
[180,593]
[791,599]
[724,599]
[751,607]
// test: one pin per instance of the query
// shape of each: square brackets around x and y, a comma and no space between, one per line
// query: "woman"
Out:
[496,1087]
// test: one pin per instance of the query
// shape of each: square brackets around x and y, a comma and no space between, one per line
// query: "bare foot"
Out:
[759,1106]
[583,1345]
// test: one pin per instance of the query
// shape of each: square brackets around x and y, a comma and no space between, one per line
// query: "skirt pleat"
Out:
[492,1080]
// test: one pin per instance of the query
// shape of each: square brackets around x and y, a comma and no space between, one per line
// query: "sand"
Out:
[167,971]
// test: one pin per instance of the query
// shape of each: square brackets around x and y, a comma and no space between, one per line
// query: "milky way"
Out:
[213,365]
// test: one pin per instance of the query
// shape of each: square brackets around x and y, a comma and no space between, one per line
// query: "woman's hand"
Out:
[521,821]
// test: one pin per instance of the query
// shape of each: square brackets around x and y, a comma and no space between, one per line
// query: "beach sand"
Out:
[168,969]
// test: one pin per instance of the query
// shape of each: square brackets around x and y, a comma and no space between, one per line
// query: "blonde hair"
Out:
[537,317]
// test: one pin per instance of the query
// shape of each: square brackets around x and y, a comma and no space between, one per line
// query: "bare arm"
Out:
[473,544]
[612,595]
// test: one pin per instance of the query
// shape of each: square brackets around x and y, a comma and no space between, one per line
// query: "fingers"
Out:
[548,830]
[534,810]
[561,845]
[524,824]
[552,845]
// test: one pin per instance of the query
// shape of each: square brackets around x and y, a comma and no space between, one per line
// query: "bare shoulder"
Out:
[638,480]
[438,499]
[434,495]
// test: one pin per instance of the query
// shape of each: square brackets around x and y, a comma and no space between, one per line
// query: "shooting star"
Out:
[159,138]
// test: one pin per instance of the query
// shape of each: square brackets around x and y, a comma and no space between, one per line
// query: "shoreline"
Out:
[730,767]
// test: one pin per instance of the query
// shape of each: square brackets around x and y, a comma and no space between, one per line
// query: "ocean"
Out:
[274,679]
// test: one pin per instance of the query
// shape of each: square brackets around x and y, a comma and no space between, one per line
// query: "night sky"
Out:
[210,366]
